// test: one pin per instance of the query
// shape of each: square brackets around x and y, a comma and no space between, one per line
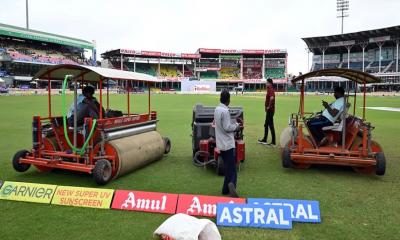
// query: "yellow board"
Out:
[83,197]
[27,192]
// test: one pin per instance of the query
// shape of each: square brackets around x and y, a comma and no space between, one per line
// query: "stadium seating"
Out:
[383,63]
[274,73]
[189,72]
[252,73]
[230,73]
[209,75]
[168,71]
[145,68]
[3,73]
[17,56]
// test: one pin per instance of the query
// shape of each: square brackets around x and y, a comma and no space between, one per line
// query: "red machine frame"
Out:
[47,154]
[352,146]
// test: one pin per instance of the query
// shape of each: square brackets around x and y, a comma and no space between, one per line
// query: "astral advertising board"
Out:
[255,216]
[301,210]
[145,201]
[200,205]
[83,197]
[27,192]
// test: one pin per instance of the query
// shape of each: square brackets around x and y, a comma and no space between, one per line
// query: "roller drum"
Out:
[137,151]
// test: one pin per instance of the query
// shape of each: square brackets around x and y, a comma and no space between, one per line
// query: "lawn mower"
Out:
[108,147]
[349,140]
[205,152]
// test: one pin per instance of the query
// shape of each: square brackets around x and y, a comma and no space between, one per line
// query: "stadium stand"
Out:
[209,75]
[169,71]
[24,51]
[252,73]
[364,51]
[225,66]
[274,73]
[189,71]
[230,73]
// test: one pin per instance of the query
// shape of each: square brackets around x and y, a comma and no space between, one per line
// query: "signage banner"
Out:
[270,51]
[189,55]
[127,51]
[256,216]
[250,51]
[342,43]
[145,201]
[209,50]
[379,39]
[151,53]
[301,210]
[27,192]
[83,197]
[230,51]
[163,54]
[200,205]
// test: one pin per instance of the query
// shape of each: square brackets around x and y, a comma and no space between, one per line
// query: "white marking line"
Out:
[391,109]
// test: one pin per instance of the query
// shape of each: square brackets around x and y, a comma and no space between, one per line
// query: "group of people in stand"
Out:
[225,129]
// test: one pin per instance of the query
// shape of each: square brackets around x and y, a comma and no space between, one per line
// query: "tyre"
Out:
[220,166]
[286,160]
[20,167]
[380,164]
[102,172]
[167,145]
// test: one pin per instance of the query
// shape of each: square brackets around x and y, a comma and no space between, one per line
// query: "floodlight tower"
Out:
[27,14]
[342,7]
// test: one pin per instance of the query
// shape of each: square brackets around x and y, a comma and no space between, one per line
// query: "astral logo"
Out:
[301,210]
[258,216]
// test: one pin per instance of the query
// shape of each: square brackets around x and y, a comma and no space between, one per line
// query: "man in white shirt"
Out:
[225,140]
[328,117]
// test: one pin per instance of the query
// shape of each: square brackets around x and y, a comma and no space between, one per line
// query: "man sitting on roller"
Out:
[328,117]
[87,106]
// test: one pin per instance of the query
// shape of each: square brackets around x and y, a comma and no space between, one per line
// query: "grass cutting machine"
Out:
[205,152]
[110,146]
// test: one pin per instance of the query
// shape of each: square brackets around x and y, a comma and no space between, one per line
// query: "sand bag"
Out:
[184,227]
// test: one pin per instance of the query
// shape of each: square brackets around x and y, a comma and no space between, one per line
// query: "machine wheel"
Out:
[102,172]
[167,145]
[20,167]
[220,166]
[286,161]
[380,163]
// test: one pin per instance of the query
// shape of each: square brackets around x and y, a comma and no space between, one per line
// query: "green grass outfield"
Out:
[353,206]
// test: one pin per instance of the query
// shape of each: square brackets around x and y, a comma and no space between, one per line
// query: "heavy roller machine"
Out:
[115,144]
[205,152]
[349,140]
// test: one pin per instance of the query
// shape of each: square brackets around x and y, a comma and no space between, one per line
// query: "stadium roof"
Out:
[89,73]
[24,33]
[389,34]
[118,52]
[350,74]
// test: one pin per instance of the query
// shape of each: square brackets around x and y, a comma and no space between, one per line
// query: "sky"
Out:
[186,25]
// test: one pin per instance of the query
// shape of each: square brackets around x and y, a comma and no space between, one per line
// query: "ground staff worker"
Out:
[224,134]
[269,117]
